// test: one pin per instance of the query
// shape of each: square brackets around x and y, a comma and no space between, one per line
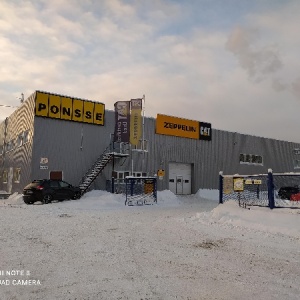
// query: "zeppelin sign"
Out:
[67,108]
[169,125]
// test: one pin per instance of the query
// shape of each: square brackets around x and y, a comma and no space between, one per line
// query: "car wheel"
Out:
[76,196]
[47,198]
[28,202]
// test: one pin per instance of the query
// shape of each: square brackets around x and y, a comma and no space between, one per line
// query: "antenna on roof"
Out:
[21,98]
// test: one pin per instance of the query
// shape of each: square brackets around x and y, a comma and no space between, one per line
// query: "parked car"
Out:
[46,190]
[287,191]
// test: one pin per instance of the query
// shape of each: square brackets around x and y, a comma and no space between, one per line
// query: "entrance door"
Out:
[56,175]
[179,185]
[180,178]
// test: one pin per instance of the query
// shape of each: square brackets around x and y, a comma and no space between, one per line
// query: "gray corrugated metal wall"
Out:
[208,158]
[73,147]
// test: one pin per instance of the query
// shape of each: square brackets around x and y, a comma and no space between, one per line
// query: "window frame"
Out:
[251,159]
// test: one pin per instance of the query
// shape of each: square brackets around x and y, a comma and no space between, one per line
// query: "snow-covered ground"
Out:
[184,247]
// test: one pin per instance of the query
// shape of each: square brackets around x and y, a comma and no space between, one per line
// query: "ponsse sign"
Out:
[174,126]
[67,108]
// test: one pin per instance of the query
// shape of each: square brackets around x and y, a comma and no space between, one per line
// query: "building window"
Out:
[248,158]
[19,140]
[1,149]
[9,146]
[17,175]
[251,159]
[4,176]
[297,164]
[26,137]
[120,175]
[297,151]
[141,146]
[124,147]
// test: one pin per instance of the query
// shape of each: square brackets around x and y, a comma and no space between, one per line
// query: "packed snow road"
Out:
[86,250]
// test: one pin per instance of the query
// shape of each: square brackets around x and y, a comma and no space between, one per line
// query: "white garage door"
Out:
[180,178]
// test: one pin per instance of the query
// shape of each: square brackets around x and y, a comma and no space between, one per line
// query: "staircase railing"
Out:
[96,169]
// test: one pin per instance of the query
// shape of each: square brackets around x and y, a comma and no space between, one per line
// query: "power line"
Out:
[8,106]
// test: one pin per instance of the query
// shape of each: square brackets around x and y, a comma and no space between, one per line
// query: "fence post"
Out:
[126,189]
[155,188]
[221,187]
[131,187]
[271,189]
[113,185]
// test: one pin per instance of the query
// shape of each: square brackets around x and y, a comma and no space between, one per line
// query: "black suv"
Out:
[287,191]
[46,190]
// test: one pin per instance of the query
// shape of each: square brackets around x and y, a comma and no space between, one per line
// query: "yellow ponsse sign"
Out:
[177,127]
[67,108]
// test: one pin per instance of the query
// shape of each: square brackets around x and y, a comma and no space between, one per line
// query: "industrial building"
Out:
[57,136]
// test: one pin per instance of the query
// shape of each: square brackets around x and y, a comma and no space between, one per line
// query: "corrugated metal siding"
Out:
[20,157]
[221,154]
[73,147]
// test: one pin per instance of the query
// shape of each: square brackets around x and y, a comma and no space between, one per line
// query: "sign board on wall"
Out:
[227,185]
[169,125]
[205,131]
[44,160]
[122,121]
[238,184]
[67,108]
[136,129]
[180,127]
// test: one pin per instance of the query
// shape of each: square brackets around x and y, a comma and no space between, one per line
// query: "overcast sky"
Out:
[232,63]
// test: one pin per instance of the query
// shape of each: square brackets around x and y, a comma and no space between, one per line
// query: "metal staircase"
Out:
[97,168]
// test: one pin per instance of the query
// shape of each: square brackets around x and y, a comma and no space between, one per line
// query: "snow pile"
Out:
[208,194]
[279,220]
[100,199]
[229,214]
[167,198]
[14,199]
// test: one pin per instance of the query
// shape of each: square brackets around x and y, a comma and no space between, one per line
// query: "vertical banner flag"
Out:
[136,121]
[122,121]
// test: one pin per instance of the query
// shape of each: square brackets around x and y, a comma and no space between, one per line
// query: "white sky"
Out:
[233,63]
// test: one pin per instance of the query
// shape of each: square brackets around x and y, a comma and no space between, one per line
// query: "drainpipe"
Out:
[4,140]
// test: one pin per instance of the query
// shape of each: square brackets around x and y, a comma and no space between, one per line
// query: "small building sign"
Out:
[252,181]
[44,160]
[238,184]
[161,173]
[228,185]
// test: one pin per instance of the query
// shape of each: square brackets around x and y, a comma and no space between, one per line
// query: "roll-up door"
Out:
[180,178]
